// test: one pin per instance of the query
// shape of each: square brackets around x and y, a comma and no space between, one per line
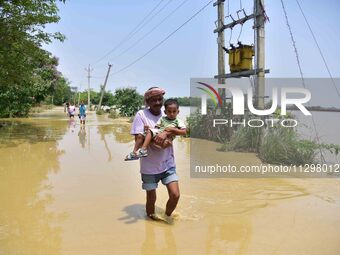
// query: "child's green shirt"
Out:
[164,122]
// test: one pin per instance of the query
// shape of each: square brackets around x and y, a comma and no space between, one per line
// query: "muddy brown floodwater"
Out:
[67,190]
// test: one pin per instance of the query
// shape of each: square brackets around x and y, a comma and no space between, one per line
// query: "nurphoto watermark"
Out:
[233,136]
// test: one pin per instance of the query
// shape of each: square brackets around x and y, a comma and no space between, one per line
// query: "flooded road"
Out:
[67,190]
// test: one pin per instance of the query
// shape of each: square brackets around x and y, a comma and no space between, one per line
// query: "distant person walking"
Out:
[71,110]
[82,113]
[67,108]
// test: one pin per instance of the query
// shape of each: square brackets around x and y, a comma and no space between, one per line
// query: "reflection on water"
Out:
[72,125]
[159,239]
[15,132]
[158,236]
[28,153]
[103,131]
[82,136]
[122,133]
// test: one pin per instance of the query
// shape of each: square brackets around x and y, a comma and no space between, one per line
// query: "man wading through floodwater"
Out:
[159,165]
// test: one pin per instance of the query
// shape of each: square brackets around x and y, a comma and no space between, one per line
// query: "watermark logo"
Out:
[238,99]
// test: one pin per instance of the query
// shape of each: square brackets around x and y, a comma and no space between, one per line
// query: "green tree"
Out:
[128,101]
[94,97]
[108,98]
[27,71]
[189,101]
[62,92]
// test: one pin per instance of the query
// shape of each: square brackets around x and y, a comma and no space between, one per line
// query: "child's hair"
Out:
[171,101]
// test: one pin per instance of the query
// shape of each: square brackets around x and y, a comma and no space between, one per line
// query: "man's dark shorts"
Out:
[150,181]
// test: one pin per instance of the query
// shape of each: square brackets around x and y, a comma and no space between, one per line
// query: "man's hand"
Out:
[146,128]
[159,139]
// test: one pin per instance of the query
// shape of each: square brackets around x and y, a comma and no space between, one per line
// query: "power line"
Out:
[97,77]
[151,18]
[293,43]
[317,44]
[142,38]
[141,24]
[166,38]
[301,74]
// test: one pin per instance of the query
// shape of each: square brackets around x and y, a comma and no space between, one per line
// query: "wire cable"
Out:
[231,35]
[301,74]
[318,46]
[144,36]
[127,37]
[239,35]
[165,39]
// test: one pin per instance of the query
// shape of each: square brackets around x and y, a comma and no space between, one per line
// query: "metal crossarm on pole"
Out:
[259,17]
[235,22]
[246,73]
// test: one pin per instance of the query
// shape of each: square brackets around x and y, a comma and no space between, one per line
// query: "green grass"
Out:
[274,145]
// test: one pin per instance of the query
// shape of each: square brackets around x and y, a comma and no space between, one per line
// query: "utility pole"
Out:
[259,17]
[220,45]
[89,70]
[220,39]
[260,53]
[103,88]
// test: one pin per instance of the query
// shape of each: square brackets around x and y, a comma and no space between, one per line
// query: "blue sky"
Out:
[94,28]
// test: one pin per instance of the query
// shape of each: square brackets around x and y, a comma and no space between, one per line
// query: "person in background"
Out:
[67,108]
[82,113]
[72,110]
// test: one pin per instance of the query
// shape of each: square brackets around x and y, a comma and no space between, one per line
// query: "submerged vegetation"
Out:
[274,145]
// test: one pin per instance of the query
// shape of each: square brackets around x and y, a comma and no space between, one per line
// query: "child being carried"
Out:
[165,123]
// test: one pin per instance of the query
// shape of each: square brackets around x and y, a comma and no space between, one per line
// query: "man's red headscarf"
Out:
[152,92]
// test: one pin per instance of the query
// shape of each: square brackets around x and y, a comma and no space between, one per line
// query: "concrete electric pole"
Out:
[220,40]
[259,53]
[259,71]
[89,70]
[103,88]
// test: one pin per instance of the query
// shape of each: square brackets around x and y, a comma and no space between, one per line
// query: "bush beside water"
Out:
[274,145]
[40,108]
[100,112]
[113,114]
